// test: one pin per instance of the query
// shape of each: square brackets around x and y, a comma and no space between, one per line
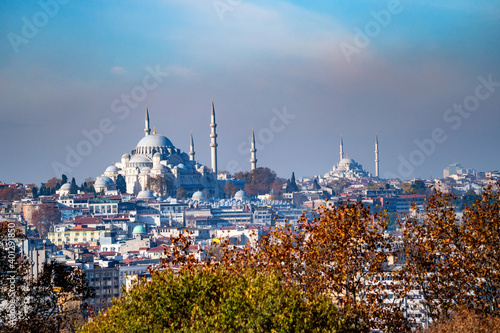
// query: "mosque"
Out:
[155,155]
[350,169]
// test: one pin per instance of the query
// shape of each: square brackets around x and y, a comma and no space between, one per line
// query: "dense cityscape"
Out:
[249,166]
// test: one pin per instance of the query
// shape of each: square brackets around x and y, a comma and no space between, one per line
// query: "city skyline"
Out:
[423,75]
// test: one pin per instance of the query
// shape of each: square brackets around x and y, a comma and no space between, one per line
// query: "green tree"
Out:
[73,187]
[64,179]
[291,185]
[218,299]
[121,185]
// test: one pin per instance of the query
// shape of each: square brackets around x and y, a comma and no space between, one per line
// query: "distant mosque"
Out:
[155,155]
[350,169]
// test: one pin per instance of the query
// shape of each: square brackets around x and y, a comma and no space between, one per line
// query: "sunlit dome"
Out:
[146,195]
[199,196]
[103,181]
[112,168]
[241,195]
[139,159]
[347,161]
[155,140]
[66,186]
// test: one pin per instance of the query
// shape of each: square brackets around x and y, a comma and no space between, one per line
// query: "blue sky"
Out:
[252,57]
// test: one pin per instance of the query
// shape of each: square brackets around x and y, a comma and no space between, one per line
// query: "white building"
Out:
[155,155]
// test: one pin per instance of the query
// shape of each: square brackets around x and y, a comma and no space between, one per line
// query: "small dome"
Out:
[146,195]
[181,166]
[103,181]
[145,168]
[139,159]
[112,168]
[66,187]
[126,156]
[139,229]
[155,141]
[159,167]
[198,196]
[241,195]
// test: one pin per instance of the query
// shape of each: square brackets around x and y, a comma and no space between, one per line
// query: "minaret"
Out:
[191,149]
[213,143]
[253,150]
[376,155]
[147,130]
[341,148]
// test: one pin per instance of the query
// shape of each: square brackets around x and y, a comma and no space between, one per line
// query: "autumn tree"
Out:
[45,216]
[454,263]
[11,193]
[158,185]
[258,181]
[338,185]
[51,303]
[230,189]
[181,193]
[217,298]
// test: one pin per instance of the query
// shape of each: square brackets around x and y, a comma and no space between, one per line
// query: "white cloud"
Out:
[117,70]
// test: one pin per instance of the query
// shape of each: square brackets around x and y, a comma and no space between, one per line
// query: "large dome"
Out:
[347,161]
[155,140]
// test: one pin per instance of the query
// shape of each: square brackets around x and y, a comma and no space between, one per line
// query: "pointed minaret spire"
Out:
[191,148]
[213,137]
[253,150]
[154,130]
[147,130]
[341,148]
[376,156]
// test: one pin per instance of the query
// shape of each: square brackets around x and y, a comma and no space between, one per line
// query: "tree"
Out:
[291,185]
[315,185]
[258,181]
[73,187]
[88,185]
[181,193]
[407,188]
[34,192]
[454,263]
[158,185]
[45,216]
[64,179]
[52,183]
[217,299]
[51,303]
[11,193]
[121,185]
[338,185]
[230,189]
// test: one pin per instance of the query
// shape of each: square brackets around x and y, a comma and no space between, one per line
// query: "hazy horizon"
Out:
[424,75]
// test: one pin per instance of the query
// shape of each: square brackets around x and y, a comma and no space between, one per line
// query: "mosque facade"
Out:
[350,169]
[155,155]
